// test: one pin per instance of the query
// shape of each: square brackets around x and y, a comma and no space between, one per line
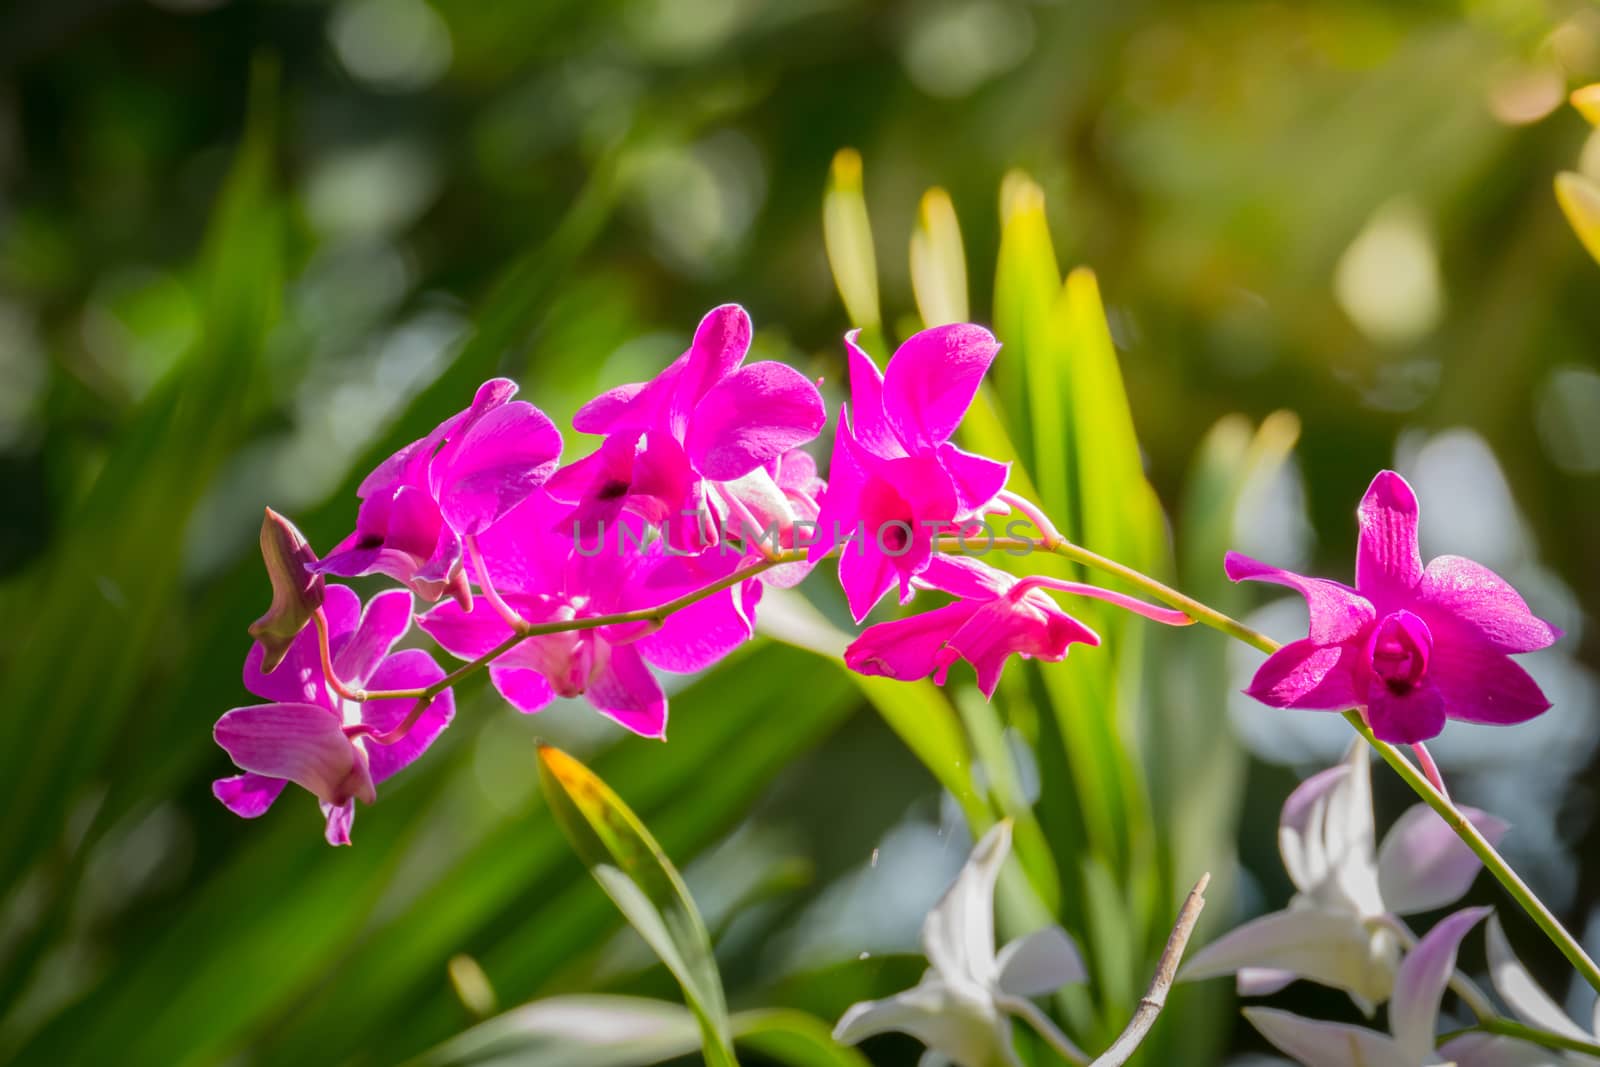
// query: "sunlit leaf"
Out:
[642,882]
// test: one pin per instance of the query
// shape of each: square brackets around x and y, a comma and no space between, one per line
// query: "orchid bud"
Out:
[296,592]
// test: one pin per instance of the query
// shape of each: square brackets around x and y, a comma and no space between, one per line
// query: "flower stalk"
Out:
[1418,781]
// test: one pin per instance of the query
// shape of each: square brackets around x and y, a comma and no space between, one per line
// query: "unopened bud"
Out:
[296,591]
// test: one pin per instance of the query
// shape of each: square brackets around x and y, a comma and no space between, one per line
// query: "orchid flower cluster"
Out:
[652,551]
[649,552]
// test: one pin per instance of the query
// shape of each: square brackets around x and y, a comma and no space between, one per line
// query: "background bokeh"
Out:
[1342,209]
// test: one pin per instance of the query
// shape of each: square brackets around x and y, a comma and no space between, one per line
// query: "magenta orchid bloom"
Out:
[993,617]
[314,738]
[896,481]
[545,576]
[687,449]
[419,504]
[1414,646]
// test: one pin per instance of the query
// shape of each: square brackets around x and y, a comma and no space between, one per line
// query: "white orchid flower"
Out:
[1340,929]
[1419,985]
[962,1006]
[1533,1006]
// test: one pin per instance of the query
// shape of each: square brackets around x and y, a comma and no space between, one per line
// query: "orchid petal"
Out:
[1423,865]
[867,421]
[1478,684]
[720,344]
[1478,599]
[623,689]
[466,634]
[386,619]
[907,649]
[1491,1050]
[1406,718]
[978,479]
[248,795]
[606,411]
[935,1015]
[866,574]
[301,742]
[410,668]
[1331,948]
[1522,993]
[958,934]
[339,819]
[1421,980]
[752,417]
[495,464]
[1262,981]
[524,688]
[966,577]
[1337,612]
[693,638]
[1388,564]
[1040,962]
[931,381]
[1308,675]
[1314,1043]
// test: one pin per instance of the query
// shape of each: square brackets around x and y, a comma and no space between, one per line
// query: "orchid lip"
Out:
[1401,645]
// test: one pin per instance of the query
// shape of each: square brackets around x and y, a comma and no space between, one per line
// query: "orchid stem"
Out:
[1531,1034]
[1417,780]
[1029,1012]
[1021,505]
[504,610]
[1430,768]
[1155,997]
[337,686]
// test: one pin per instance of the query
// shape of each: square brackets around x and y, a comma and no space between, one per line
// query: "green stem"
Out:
[1530,1034]
[1459,823]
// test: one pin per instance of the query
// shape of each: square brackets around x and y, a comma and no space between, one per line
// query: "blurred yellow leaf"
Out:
[1587,101]
[938,262]
[1580,200]
[847,235]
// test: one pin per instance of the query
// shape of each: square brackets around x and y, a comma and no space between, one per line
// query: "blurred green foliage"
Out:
[246,248]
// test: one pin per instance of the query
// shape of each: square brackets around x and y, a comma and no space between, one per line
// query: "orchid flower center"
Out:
[1401,645]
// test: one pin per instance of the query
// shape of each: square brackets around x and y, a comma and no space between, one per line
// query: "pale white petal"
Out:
[1040,962]
[1421,981]
[1262,981]
[1301,828]
[958,934]
[1423,865]
[1314,1043]
[1332,948]
[1489,1050]
[1517,987]
[968,1031]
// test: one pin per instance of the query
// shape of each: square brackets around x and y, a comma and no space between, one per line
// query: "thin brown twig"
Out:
[1155,998]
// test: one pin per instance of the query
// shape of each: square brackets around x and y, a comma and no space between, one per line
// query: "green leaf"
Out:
[599,1030]
[575,1031]
[794,1037]
[644,885]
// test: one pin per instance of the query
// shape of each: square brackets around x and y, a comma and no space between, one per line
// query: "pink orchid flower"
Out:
[1415,646]
[545,576]
[419,504]
[896,481]
[314,738]
[680,448]
[994,616]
